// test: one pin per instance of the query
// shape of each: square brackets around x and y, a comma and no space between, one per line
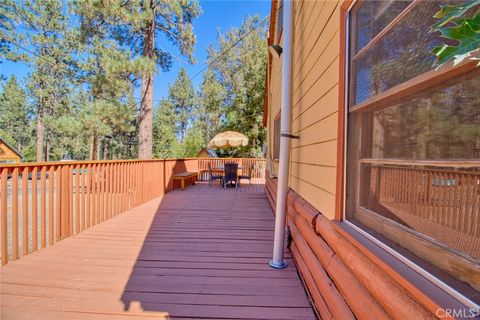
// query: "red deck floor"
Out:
[196,254]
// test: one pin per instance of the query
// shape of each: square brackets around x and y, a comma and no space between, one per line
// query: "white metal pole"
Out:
[285,128]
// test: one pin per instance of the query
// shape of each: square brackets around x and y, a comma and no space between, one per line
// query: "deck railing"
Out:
[430,200]
[257,166]
[42,203]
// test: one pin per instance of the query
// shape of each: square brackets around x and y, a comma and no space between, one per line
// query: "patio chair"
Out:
[247,174]
[231,174]
[213,176]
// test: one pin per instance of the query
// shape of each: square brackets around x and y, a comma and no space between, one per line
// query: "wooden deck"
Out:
[197,254]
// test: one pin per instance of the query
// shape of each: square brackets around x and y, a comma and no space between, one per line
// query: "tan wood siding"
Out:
[315,104]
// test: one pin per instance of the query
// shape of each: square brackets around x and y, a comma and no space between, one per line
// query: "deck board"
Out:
[197,254]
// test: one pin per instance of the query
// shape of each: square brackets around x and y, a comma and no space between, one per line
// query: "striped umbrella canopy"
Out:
[228,139]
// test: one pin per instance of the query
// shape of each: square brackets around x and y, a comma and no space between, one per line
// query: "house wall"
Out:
[7,155]
[346,276]
[315,103]
[315,107]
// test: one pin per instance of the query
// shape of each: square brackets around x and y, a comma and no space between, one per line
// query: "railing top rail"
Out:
[467,163]
[87,162]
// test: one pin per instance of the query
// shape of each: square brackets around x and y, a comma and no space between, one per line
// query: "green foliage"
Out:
[138,26]
[43,28]
[127,21]
[241,72]
[182,95]
[230,98]
[86,60]
[194,141]
[210,109]
[165,144]
[453,25]
[5,136]
[15,115]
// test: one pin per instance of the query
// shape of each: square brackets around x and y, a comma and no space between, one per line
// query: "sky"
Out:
[217,15]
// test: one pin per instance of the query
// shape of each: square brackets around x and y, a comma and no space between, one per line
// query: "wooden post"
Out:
[101,193]
[15,214]
[82,201]
[88,190]
[34,210]
[59,193]
[3,216]
[77,198]
[25,194]
[43,207]
[65,202]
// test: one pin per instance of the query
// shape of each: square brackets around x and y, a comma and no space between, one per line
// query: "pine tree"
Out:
[182,95]
[6,28]
[165,143]
[15,114]
[45,31]
[241,72]
[212,95]
[139,25]
[108,74]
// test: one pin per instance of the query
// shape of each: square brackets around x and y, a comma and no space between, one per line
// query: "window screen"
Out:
[413,164]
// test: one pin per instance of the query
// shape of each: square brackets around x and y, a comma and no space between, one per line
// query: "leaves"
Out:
[465,31]
[450,13]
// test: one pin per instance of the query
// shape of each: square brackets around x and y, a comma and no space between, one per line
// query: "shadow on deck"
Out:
[201,253]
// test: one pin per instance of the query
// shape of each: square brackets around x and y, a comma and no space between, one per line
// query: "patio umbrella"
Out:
[228,139]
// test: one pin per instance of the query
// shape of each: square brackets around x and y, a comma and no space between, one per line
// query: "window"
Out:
[413,150]
[276,138]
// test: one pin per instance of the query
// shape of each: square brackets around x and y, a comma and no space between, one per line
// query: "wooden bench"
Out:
[185,176]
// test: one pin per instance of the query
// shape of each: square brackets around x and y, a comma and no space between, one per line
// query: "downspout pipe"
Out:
[285,138]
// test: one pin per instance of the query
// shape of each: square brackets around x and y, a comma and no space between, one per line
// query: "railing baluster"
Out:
[43,207]
[15,214]
[115,189]
[71,221]
[34,210]
[121,191]
[101,212]
[108,194]
[59,193]
[88,191]
[476,207]
[82,200]
[77,198]
[128,183]
[4,214]
[25,195]
[96,186]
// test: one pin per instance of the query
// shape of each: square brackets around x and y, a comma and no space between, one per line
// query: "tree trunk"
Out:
[145,124]
[94,150]
[47,146]
[106,149]
[40,132]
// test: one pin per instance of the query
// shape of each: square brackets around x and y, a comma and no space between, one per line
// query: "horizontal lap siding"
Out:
[275,102]
[315,104]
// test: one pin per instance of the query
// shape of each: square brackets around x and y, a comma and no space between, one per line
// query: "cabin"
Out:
[207,153]
[382,171]
[8,154]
